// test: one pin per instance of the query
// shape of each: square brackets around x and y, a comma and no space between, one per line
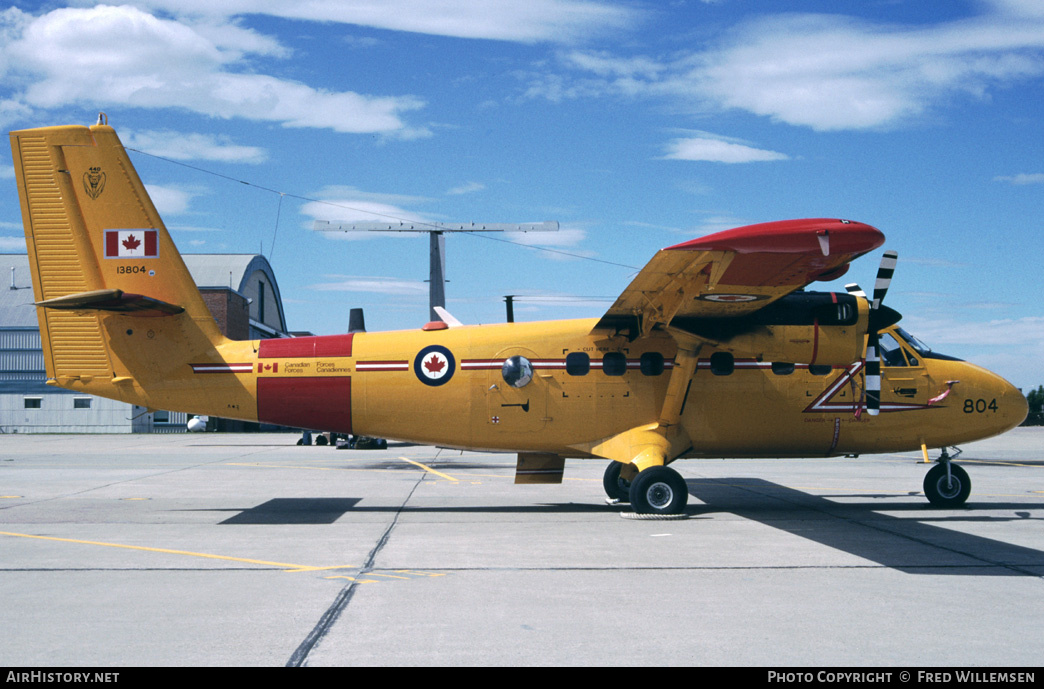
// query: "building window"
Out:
[161,417]
[33,402]
[578,364]
[261,301]
[81,403]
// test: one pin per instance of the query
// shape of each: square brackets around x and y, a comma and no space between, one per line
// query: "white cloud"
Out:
[832,72]
[12,244]
[717,223]
[565,236]
[192,146]
[377,285]
[826,72]
[1022,178]
[718,151]
[122,56]
[341,204]
[170,200]
[467,188]
[532,21]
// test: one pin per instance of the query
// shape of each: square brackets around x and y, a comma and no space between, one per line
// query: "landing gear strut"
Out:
[947,484]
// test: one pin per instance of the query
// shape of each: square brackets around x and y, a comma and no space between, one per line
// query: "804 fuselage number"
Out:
[979,406]
[130,270]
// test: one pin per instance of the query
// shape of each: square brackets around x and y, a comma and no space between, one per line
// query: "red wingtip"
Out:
[790,236]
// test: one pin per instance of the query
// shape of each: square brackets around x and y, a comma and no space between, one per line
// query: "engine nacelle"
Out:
[826,328]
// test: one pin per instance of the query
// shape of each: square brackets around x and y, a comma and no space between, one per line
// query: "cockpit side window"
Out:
[891,352]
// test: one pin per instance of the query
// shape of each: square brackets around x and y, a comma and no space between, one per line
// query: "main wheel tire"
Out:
[615,487]
[947,493]
[659,490]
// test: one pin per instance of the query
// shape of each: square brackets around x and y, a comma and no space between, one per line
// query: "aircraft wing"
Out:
[737,272]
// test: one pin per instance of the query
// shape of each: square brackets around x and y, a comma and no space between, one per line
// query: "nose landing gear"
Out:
[947,484]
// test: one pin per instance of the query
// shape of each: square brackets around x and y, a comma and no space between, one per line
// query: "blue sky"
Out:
[636,125]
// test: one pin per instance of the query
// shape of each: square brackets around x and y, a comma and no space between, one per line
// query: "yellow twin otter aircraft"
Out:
[713,350]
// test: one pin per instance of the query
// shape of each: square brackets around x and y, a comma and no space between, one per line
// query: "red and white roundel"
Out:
[434,365]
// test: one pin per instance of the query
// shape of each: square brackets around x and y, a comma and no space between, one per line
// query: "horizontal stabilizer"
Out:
[114,300]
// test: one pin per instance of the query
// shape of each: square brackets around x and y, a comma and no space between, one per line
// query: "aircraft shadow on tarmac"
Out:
[908,544]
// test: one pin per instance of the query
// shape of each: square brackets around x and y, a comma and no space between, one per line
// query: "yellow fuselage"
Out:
[374,384]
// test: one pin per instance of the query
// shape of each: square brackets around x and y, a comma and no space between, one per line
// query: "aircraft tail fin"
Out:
[117,307]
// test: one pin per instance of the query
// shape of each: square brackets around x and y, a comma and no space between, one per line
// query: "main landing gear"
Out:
[947,484]
[657,490]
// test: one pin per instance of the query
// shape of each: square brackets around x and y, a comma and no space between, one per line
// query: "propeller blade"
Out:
[873,375]
[879,318]
[884,278]
[855,290]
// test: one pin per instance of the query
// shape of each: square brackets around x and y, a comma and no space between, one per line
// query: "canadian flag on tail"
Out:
[131,243]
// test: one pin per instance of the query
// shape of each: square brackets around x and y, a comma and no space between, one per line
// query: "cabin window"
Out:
[722,363]
[33,402]
[782,368]
[820,369]
[651,363]
[614,364]
[517,371]
[578,364]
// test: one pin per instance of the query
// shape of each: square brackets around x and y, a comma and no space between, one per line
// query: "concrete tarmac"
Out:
[246,550]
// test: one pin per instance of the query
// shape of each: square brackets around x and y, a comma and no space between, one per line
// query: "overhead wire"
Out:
[370,212]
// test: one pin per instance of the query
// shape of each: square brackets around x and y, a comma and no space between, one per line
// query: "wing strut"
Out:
[660,443]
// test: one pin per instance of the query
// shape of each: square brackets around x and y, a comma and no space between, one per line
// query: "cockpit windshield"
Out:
[920,347]
[894,354]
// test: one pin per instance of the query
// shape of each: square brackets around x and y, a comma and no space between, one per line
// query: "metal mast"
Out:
[437,244]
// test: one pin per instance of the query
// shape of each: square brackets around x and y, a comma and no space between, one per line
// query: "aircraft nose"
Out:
[1020,404]
[1012,406]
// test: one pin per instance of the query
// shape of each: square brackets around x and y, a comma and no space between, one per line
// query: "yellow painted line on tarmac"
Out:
[281,565]
[390,576]
[429,469]
[358,581]
[304,568]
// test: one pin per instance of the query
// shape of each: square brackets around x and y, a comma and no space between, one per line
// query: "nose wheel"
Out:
[947,485]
